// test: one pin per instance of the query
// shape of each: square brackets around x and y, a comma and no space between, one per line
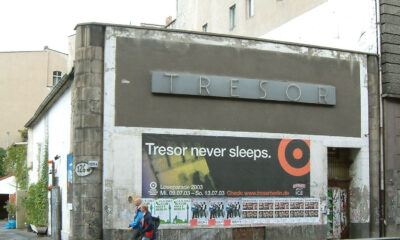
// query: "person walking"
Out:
[136,220]
[147,223]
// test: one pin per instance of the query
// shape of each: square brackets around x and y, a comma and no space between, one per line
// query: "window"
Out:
[205,27]
[232,16]
[250,8]
[56,77]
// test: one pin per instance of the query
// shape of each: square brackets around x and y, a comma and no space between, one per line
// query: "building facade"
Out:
[217,148]
[373,28]
[329,23]
[251,18]
[25,80]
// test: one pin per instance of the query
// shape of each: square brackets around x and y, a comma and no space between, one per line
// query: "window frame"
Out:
[232,16]
[250,8]
[57,76]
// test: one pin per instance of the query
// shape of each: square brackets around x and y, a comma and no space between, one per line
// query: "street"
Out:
[18,234]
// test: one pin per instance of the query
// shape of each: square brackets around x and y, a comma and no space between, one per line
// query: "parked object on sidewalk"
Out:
[11,224]
[39,230]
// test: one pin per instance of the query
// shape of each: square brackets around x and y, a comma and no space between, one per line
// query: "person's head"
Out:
[144,208]
[137,202]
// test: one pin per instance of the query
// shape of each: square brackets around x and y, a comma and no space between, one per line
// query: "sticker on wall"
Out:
[83,169]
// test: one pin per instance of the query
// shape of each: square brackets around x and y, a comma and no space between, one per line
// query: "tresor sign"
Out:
[231,87]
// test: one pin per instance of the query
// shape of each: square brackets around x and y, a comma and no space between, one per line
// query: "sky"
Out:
[29,25]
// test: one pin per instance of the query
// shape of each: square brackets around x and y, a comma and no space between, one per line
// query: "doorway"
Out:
[339,180]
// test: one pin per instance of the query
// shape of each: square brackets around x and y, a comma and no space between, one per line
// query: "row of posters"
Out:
[233,211]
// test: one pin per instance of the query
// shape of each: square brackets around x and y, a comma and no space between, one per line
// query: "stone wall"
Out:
[390,49]
[87,127]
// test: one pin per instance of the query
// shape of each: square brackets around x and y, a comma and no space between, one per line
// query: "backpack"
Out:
[156,223]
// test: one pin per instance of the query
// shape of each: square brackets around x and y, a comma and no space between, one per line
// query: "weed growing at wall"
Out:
[3,154]
[15,163]
[36,203]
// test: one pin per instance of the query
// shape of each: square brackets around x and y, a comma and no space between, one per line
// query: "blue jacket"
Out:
[136,222]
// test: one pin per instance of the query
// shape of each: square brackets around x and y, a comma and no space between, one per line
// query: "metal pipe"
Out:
[382,221]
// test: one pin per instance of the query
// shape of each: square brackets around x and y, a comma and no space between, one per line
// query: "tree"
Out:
[3,154]
[15,163]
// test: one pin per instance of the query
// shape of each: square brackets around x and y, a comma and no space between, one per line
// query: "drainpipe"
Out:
[382,219]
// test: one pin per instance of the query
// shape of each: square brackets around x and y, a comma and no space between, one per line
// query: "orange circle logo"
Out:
[297,154]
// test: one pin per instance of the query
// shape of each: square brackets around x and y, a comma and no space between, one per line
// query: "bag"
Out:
[156,223]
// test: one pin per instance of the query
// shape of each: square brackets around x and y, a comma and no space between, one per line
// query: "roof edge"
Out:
[51,98]
[5,177]
[224,35]
[35,51]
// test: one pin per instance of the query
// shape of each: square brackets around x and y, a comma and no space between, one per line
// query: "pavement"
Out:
[18,234]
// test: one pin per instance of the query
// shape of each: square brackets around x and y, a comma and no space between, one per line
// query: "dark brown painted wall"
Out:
[137,106]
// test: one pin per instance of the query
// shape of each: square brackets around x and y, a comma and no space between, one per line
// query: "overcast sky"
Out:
[29,25]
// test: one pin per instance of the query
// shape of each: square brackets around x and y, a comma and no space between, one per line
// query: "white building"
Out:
[50,126]
[349,25]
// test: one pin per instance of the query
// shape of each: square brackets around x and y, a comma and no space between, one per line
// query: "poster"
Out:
[163,210]
[217,211]
[233,211]
[150,204]
[180,210]
[69,177]
[200,211]
[186,166]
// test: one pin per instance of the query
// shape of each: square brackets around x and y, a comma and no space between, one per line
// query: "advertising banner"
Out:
[188,166]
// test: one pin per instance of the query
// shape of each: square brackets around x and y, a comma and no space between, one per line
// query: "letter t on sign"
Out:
[171,76]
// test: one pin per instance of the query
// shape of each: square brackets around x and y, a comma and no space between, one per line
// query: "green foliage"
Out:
[15,163]
[3,154]
[36,203]
[10,207]
[24,134]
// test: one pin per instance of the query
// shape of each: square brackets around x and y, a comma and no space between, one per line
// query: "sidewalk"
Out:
[18,234]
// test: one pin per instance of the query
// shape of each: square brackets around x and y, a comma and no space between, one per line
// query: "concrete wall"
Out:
[392,166]
[192,15]
[374,143]
[335,24]
[122,147]
[25,77]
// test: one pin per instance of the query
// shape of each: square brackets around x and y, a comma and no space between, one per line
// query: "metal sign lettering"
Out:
[83,169]
[231,87]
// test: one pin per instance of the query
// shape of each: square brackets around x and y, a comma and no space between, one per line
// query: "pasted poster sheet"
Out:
[180,166]
[181,210]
